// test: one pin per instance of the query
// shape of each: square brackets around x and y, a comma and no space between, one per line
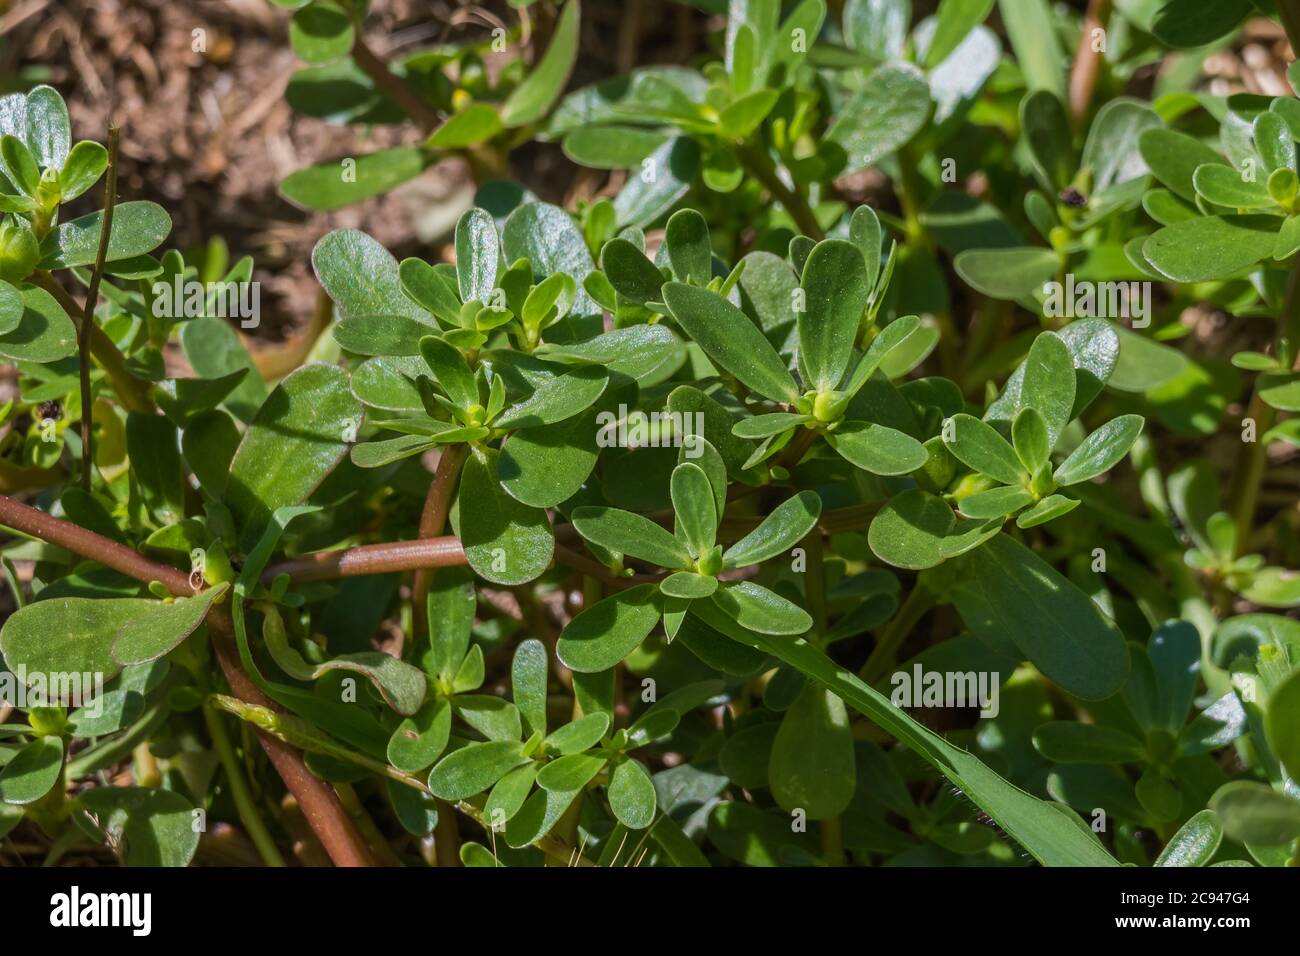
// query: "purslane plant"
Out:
[674,489]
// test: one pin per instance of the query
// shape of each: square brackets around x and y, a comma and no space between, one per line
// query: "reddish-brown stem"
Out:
[1087,60]
[111,554]
[432,519]
[382,558]
[319,803]
[393,86]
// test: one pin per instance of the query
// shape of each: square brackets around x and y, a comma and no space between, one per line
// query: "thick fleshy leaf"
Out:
[528,675]
[1048,384]
[779,531]
[979,446]
[1053,506]
[450,370]
[474,768]
[609,630]
[361,276]
[612,147]
[419,740]
[731,340]
[1187,24]
[43,334]
[530,100]
[299,434]
[647,353]
[1047,131]
[85,164]
[995,503]
[686,242]
[835,295]
[693,504]
[1007,273]
[321,31]
[71,635]
[632,535]
[138,227]
[1143,363]
[537,816]
[214,350]
[1173,158]
[811,766]
[890,338]
[476,123]
[1255,813]
[632,795]
[380,334]
[334,184]
[890,108]
[633,275]
[1100,451]
[509,793]
[578,735]
[570,772]
[1224,186]
[1094,346]
[478,255]
[878,449]
[402,686]
[1064,741]
[153,827]
[1283,723]
[556,398]
[1030,439]
[664,177]
[688,586]
[158,631]
[32,772]
[1195,842]
[1006,590]
[765,426]
[1211,247]
[918,530]
[755,608]
[1281,390]
[11,307]
[48,131]
[505,540]
[549,239]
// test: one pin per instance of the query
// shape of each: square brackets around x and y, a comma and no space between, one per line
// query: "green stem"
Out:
[759,164]
[245,805]
[84,333]
[920,601]
[1249,477]
[815,581]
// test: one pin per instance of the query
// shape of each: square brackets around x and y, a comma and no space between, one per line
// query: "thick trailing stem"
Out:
[320,804]
[1087,60]
[437,503]
[759,165]
[393,86]
[88,314]
[384,558]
